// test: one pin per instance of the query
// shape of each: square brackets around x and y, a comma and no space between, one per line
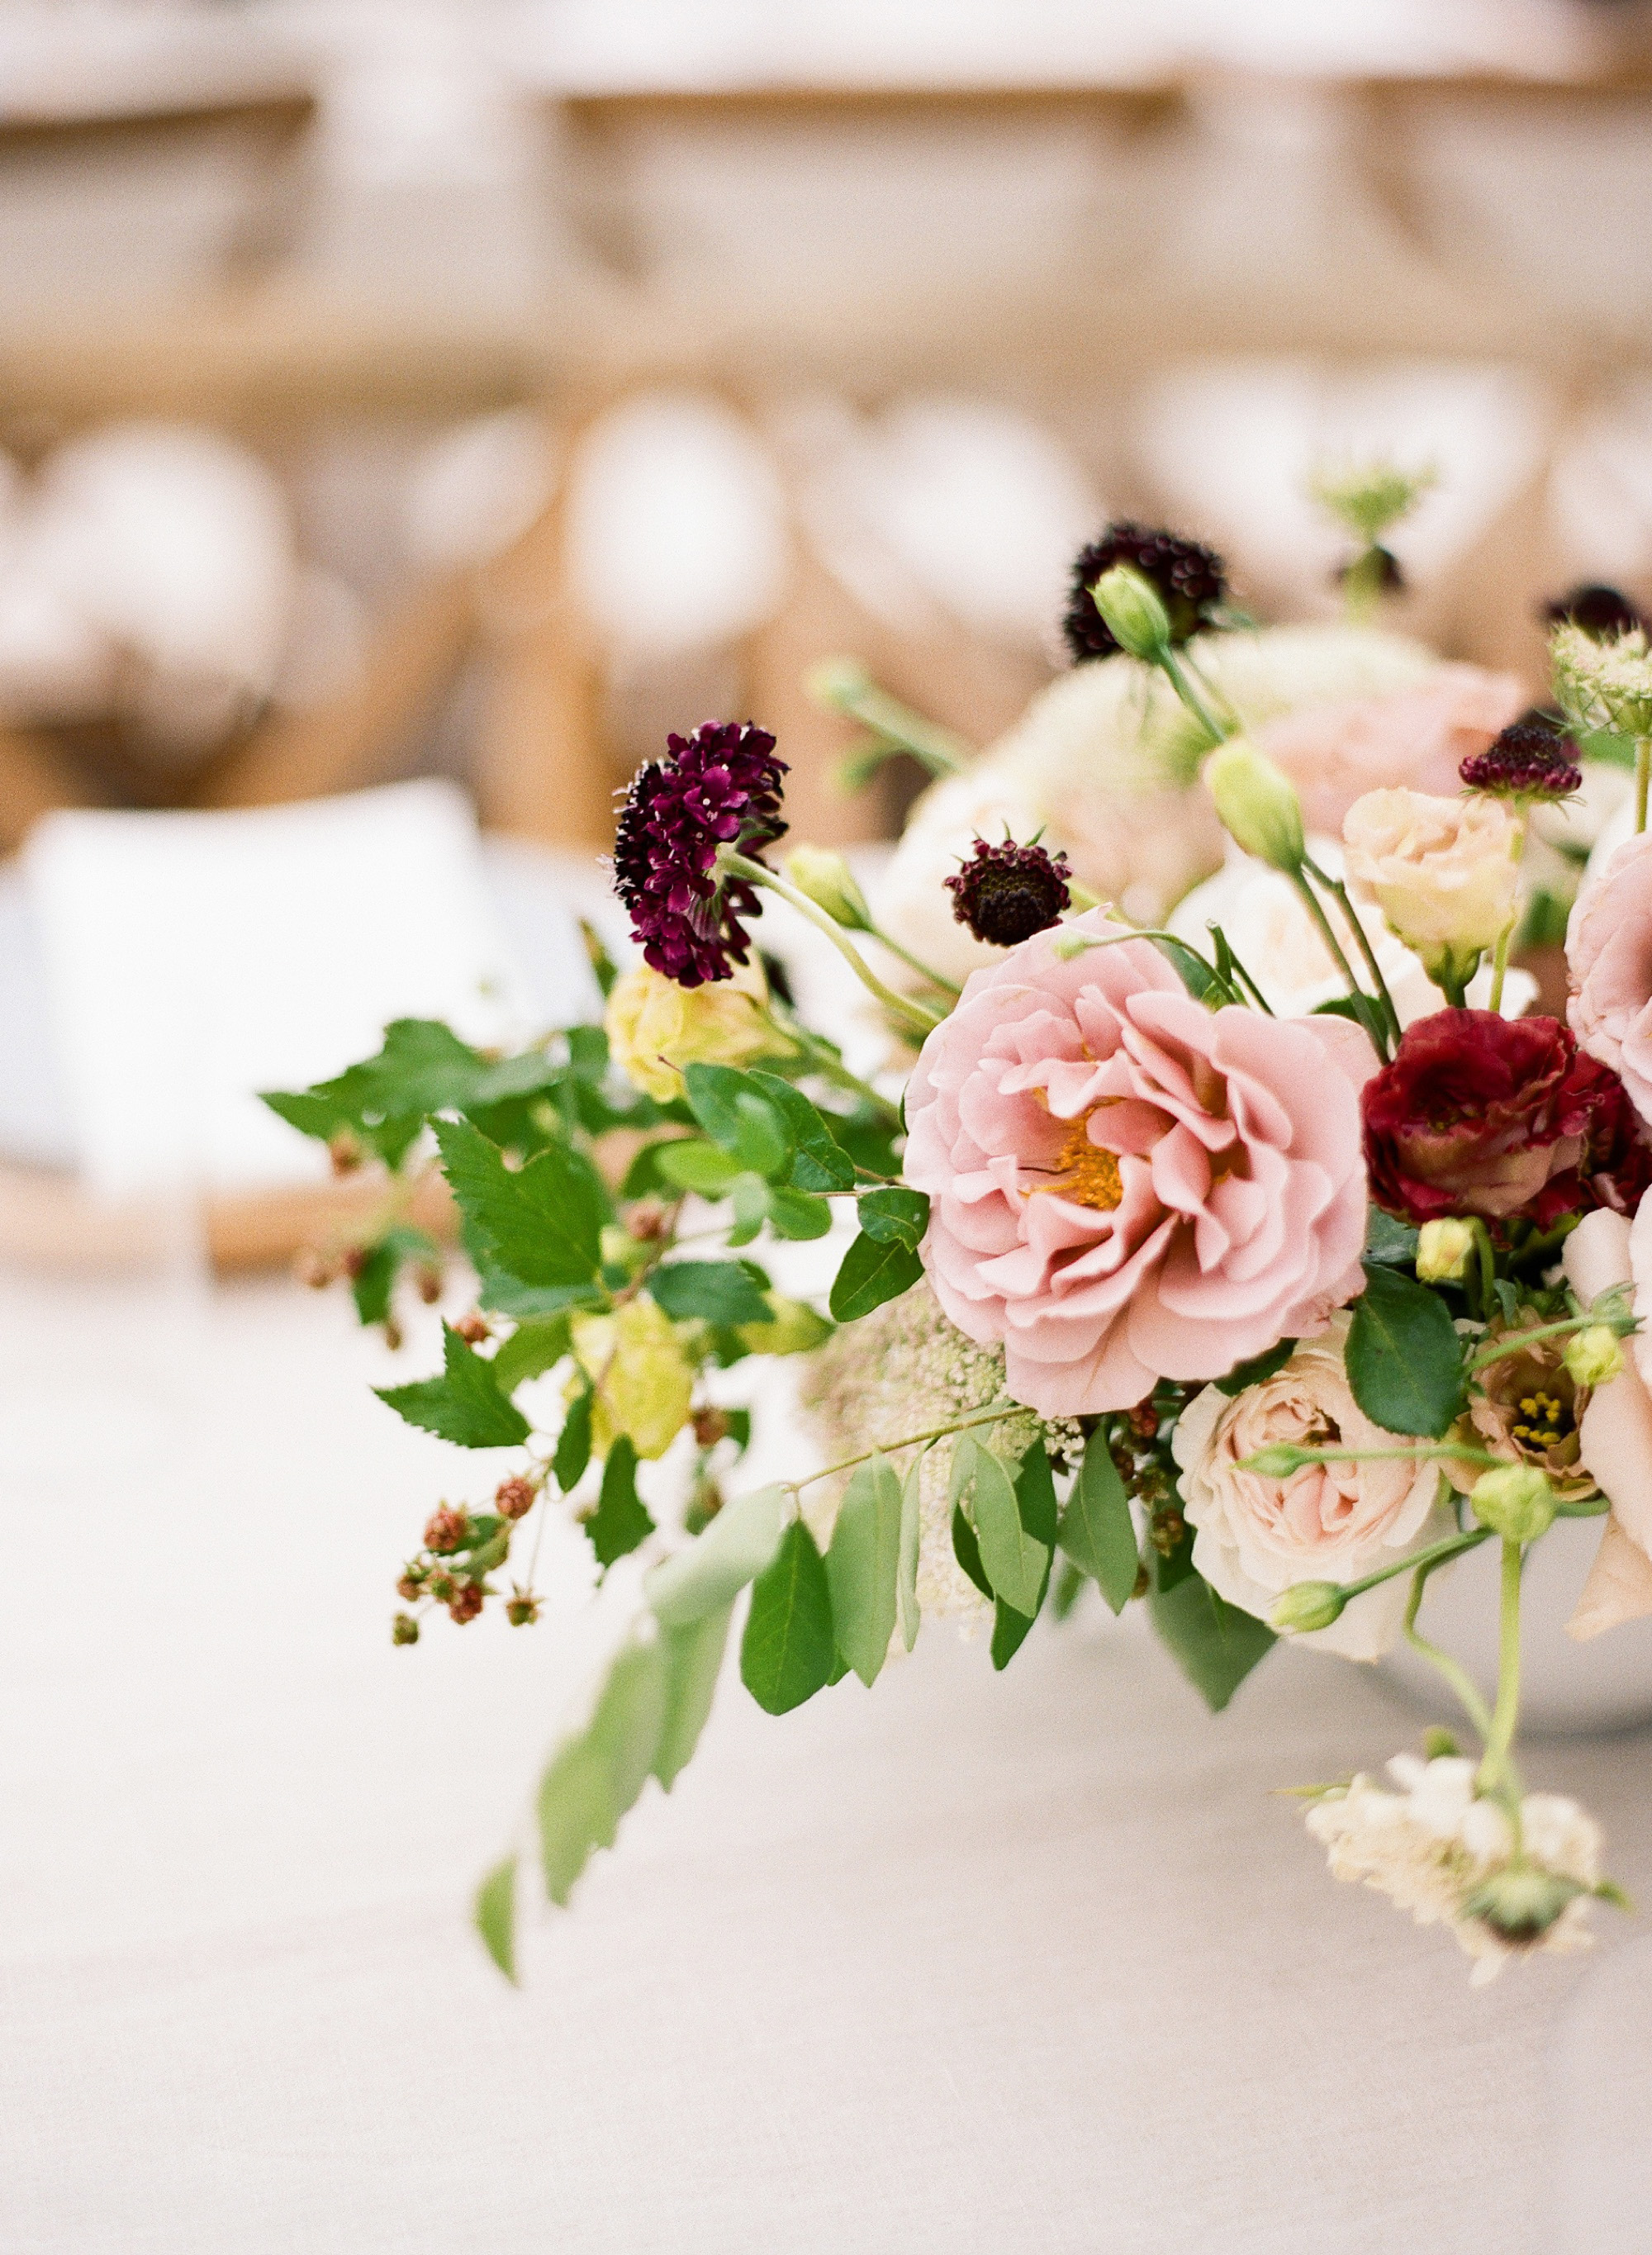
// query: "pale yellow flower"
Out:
[655,1027]
[643,1380]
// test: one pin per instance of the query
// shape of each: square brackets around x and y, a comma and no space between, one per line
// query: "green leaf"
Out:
[738,1428]
[1097,1532]
[787,1653]
[1035,1501]
[574,1443]
[1259,1366]
[1194,973]
[738,1114]
[1215,1644]
[597,1776]
[870,1275]
[689,1164]
[694,1662]
[967,1551]
[761,1141]
[464,1405]
[1011,1631]
[532,1350]
[719,1292]
[894,1217]
[1364,1010]
[750,1195]
[1392,1242]
[496,1915]
[797,1213]
[621,1519]
[906,1605]
[1404,1358]
[423,1067]
[710,1574]
[1015,1562]
[863,1567]
[541,1224]
[819,1163]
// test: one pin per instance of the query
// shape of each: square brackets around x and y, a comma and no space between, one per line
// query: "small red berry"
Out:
[515,1497]
[447,1529]
[466,1603]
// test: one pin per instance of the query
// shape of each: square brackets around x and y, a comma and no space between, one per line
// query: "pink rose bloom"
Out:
[1609,962]
[1414,740]
[1127,1185]
[1614,1438]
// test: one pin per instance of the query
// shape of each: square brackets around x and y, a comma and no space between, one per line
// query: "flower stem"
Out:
[1430,1454]
[1451,1546]
[935,978]
[1487,1260]
[1500,961]
[1642,772]
[1517,1342]
[1176,674]
[850,690]
[910,1441]
[1335,886]
[914,1017]
[831,1067]
[1458,1676]
[1497,1769]
[1311,902]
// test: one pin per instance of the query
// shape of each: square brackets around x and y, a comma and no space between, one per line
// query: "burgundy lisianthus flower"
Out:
[1482,1115]
[719,787]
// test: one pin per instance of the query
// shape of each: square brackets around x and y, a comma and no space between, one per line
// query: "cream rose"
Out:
[1615,1439]
[1443,871]
[655,1027]
[1256,1536]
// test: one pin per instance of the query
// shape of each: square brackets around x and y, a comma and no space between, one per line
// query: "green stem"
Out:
[912,963]
[850,690]
[1642,772]
[1335,886]
[1517,1342]
[1497,1769]
[831,1067]
[1500,961]
[1362,586]
[1454,989]
[915,1017]
[1461,1683]
[1487,1260]
[910,1441]
[1451,1546]
[1176,674]
[1426,1456]
[1311,902]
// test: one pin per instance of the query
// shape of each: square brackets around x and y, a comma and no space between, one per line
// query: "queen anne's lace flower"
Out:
[1604,684]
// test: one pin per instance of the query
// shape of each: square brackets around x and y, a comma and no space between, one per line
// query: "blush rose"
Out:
[1609,962]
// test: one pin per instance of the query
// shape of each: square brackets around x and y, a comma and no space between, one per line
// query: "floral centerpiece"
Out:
[1255,1288]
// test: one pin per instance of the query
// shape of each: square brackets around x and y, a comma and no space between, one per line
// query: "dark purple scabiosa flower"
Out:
[719,787]
[1527,761]
[1600,611]
[1007,892]
[1190,579]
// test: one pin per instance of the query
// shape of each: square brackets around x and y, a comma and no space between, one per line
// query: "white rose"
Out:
[1443,871]
[1256,1536]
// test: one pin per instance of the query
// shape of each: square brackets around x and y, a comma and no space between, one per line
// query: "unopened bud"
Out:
[829,883]
[1277,1462]
[621,1248]
[474,1328]
[1593,1356]
[411,1585]
[523,1610]
[466,1603]
[1133,611]
[428,1282]
[710,1426]
[1522,1901]
[315,1269]
[1514,1501]
[447,1529]
[1257,804]
[403,1629]
[646,1220]
[1307,1606]
[392,1333]
[515,1497]
[1444,1251]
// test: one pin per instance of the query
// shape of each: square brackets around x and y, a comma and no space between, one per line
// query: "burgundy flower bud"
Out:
[448,1529]
[1482,1115]
[1009,892]
[466,1602]
[1602,611]
[1188,577]
[1527,760]
[411,1585]
[515,1497]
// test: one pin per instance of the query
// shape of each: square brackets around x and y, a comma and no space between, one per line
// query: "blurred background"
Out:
[477,389]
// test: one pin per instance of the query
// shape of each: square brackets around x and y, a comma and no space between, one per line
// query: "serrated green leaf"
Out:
[819,1162]
[574,1443]
[788,1651]
[737,1546]
[796,1213]
[464,1405]
[863,1567]
[532,1350]
[906,1606]
[1259,1366]
[738,1113]
[894,1217]
[718,1291]
[496,1915]
[1015,1562]
[621,1519]
[694,1662]
[540,1225]
[691,1164]
[1096,1529]
[1404,1358]
[1214,1643]
[870,1275]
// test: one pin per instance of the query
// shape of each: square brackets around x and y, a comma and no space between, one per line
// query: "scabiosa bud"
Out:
[719,787]
[1007,892]
[1527,760]
[447,1529]
[1599,610]
[403,1629]
[1188,577]
[515,1497]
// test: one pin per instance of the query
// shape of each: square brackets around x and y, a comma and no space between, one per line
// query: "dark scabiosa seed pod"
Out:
[1600,611]
[1190,579]
[1527,761]
[720,787]
[1007,892]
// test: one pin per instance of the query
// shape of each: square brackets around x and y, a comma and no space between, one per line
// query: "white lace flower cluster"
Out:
[1604,684]
[1448,1854]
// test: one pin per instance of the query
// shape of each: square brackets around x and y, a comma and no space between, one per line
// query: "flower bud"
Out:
[1257,804]
[1277,1462]
[515,1497]
[1132,612]
[1593,1357]
[1444,1251]
[403,1629]
[447,1529]
[829,883]
[619,1250]
[1514,1501]
[522,1610]
[1307,1606]
[1522,1901]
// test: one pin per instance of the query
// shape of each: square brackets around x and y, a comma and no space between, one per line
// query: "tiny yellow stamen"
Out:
[1084,1172]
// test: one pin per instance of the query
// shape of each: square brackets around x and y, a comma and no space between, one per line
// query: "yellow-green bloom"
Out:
[655,1027]
[643,1380]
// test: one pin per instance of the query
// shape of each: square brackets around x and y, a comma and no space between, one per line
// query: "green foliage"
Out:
[797,1213]
[1015,1562]
[1202,982]
[373,1282]
[1392,1242]
[967,1551]
[737,1546]
[894,1217]
[871,1274]
[621,1519]
[1097,1532]
[1259,1366]
[532,1350]
[1035,1501]
[596,1776]
[788,1651]
[718,1291]
[1215,1644]
[538,1225]
[694,1164]
[735,1113]
[819,1162]
[464,1405]
[694,1662]
[496,1915]
[906,1606]
[574,1442]
[1404,1358]
[863,1562]
[1362,1010]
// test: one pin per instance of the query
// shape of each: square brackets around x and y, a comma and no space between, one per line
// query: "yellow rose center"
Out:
[1084,1172]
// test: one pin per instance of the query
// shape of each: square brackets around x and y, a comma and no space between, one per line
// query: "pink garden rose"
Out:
[1415,738]
[1609,961]
[1616,1435]
[1125,1186]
